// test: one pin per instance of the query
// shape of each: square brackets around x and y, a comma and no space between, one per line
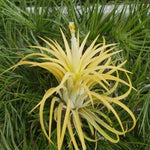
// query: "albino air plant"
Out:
[86,95]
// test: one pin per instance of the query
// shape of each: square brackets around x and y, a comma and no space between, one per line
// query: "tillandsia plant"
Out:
[84,98]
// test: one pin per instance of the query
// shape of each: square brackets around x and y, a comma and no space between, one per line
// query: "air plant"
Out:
[87,80]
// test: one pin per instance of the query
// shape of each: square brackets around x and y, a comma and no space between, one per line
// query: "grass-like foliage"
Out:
[87,80]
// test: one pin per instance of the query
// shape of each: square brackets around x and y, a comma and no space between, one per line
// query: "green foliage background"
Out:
[22,89]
